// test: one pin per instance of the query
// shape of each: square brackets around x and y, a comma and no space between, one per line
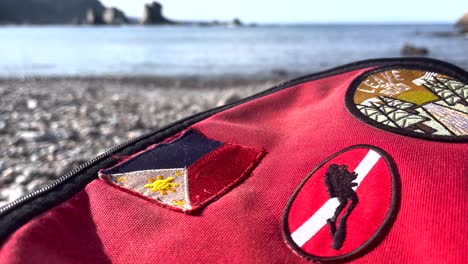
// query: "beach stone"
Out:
[89,132]
[280,73]
[71,135]
[135,133]
[462,23]
[237,22]
[3,126]
[409,49]
[63,167]
[228,99]
[35,157]
[106,130]
[22,179]
[31,104]
[8,173]
[38,125]
[35,184]
[66,166]
[35,136]
[15,192]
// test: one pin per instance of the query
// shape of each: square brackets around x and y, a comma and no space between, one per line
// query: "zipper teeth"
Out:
[72,173]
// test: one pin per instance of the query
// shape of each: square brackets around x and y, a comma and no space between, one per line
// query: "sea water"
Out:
[212,51]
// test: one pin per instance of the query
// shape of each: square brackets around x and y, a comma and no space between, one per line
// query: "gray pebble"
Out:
[31,104]
[228,99]
[13,193]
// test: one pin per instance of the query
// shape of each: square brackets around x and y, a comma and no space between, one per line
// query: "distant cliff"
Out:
[90,12]
[46,11]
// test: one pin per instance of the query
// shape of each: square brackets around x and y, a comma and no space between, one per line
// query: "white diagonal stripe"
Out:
[307,230]
[365,166]
[137,180]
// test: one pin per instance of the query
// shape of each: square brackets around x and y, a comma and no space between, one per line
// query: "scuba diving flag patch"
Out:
[344,207]
[186,173]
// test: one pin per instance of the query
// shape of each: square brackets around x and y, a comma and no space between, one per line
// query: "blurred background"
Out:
[78,77]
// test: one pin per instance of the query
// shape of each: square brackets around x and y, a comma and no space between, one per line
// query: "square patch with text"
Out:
[186,173]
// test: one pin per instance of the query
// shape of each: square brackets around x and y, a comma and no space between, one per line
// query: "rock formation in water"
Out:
[409,49]
[47,11]
[93,17]
[237,22]
[152,14]
[114,16]
[462,23]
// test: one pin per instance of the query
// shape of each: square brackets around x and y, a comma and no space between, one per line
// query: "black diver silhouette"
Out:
[339,182]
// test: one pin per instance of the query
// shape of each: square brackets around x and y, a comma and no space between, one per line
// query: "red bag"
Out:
[364,163]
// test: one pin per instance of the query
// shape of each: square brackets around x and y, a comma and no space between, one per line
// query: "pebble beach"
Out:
[49,126]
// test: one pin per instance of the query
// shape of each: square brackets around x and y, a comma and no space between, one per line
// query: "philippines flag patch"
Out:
[186,173]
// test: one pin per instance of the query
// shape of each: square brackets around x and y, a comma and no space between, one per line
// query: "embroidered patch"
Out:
[167,186]
[186,173]
[344,207]
[417,103]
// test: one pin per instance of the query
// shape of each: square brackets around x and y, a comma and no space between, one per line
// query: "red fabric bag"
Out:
[365,163]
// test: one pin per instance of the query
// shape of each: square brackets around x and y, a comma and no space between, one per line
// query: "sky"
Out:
[304,11]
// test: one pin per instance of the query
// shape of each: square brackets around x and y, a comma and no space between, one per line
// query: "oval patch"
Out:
[425,104]
[344,207]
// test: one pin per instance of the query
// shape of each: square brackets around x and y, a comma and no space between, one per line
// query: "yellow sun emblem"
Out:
[121,179]
[162,185]
[178,173]
[179,203]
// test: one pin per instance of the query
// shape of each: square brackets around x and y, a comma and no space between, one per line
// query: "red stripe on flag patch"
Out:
[219,171]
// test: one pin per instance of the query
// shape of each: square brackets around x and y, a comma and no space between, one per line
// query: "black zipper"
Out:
[74,172]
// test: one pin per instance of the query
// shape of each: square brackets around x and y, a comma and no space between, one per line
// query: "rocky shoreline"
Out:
[89,12]
[48,126]
[93,12]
